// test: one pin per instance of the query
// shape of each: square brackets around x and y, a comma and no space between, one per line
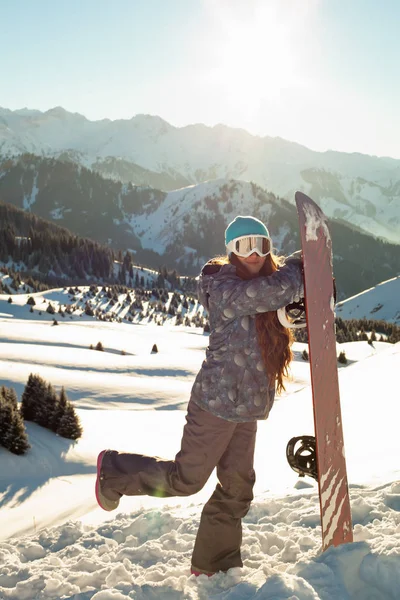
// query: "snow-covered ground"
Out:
[56,543]
[379,302]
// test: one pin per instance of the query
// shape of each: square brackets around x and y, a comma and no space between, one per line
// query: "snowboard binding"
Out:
[293,316]
[303,460]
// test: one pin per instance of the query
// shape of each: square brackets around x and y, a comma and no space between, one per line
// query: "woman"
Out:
[247,358]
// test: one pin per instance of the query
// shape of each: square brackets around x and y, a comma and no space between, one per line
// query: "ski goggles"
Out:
[247,244]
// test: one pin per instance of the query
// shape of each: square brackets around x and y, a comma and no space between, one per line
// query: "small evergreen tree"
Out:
[28,400]
[99,346]
[31,301]
[69,426]
[342,358]
[59,410]
[304,355]
[46,407]
[32,398]
[13,435]
[5,419]
[18,437]
[10,395]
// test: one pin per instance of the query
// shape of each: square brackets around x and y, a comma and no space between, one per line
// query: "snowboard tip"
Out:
[308,206]
[302,198]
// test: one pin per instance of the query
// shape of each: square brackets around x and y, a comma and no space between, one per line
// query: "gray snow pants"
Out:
[208,442]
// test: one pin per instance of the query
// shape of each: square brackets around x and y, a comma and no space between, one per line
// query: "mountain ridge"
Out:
[361,189]
[181,229]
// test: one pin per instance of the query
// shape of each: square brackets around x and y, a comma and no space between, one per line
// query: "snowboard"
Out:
[316,248]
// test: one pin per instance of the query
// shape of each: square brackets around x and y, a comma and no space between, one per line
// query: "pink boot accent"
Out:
[198,573]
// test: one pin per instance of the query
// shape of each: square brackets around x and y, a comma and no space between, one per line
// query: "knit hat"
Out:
[241,226]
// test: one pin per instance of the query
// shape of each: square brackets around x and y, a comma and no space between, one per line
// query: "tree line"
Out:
[51,256]
[40,404]
[45,247]
[355,330]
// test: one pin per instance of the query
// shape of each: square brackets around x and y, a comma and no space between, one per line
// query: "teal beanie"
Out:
[244,226]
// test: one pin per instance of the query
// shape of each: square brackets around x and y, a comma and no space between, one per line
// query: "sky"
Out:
[323,73]
[55,542]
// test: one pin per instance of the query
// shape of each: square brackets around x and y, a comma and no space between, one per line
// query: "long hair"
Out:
[275,340]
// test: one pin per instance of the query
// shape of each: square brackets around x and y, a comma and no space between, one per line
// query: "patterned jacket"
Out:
[232,382]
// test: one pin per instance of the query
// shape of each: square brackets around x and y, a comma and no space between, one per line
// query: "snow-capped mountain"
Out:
[361,189]
[183,228]
[379,302]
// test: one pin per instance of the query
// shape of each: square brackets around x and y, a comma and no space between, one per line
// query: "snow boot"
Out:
[104,502]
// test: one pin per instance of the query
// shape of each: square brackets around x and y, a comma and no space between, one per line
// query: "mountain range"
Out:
[146,150]
[179,229]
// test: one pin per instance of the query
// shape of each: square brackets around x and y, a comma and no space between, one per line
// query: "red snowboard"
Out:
[331,464]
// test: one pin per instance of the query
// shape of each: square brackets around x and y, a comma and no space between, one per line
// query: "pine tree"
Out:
[13,435]
[5,419]
[69,425]
[18,437]
[59,410]
[47,407]
[28,399]
[10,396]
[32,398]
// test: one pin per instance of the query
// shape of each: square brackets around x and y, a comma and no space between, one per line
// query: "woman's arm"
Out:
[235,297]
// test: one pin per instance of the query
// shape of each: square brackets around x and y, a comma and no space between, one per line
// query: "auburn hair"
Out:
[275,340]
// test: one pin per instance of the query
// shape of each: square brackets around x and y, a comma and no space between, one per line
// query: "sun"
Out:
[257,51]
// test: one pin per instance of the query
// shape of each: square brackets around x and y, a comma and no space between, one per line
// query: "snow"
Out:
[167,220]
[380,302]
[357,187]
[314,221]
[56,543]
[27,203]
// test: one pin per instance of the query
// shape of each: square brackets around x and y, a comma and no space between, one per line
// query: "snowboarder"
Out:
[246,362]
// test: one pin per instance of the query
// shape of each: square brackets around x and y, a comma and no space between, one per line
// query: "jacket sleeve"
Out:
[235,297]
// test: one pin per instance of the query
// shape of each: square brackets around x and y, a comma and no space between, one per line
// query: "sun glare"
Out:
[258,50]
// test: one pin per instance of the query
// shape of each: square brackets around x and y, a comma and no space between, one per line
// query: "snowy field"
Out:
[56,543]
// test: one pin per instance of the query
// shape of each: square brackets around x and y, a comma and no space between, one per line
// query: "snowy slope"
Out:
[361,189]
[379,302]
[168,223]
[55,543]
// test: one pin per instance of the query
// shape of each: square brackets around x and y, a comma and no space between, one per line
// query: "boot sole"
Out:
[105,504]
